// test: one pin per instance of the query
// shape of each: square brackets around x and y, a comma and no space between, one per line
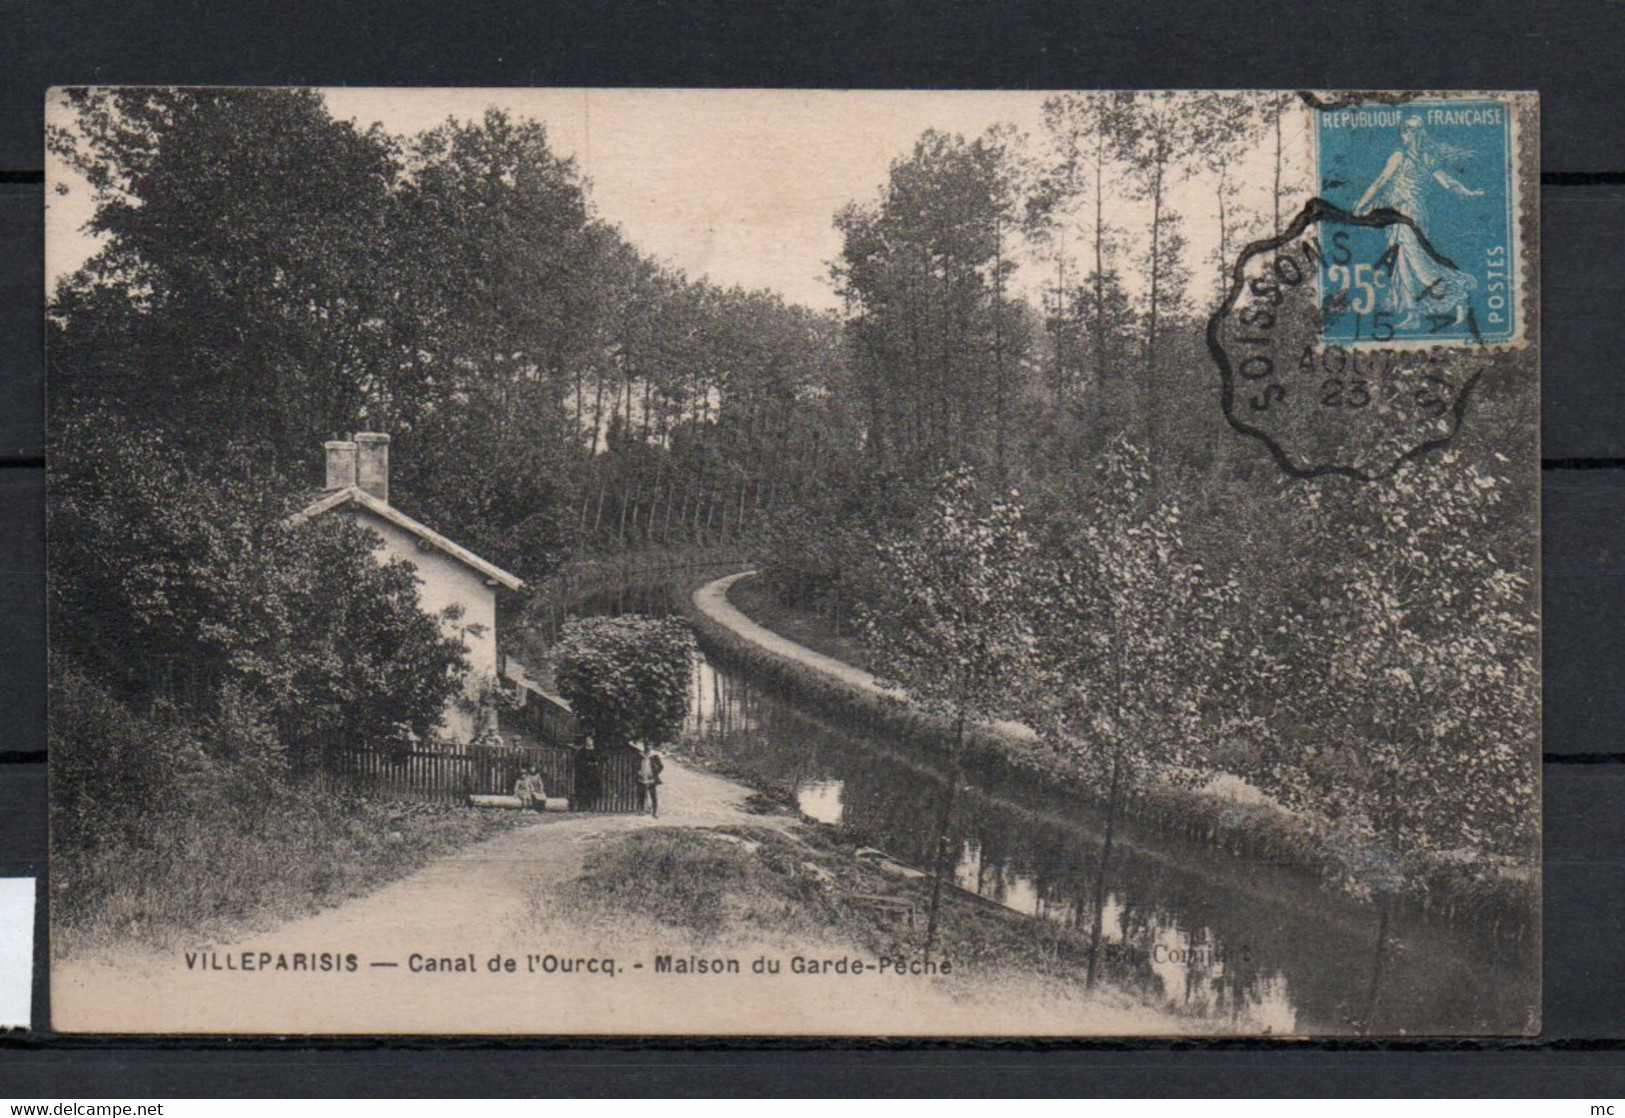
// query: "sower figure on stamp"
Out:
[650,766]
[1419,283]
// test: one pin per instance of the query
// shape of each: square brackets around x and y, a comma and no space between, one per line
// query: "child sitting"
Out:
[532,795]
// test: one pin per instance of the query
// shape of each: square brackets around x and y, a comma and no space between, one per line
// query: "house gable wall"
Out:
[442,582]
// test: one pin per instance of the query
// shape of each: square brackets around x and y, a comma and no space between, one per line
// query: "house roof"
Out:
[355,495]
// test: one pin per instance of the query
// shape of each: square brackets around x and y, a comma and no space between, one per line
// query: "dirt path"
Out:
[490,901]
[481,899]
[424,948]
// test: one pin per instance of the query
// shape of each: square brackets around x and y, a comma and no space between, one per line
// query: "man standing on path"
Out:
[649,769]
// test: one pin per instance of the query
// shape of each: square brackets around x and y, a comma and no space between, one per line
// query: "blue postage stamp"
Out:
[1429,253]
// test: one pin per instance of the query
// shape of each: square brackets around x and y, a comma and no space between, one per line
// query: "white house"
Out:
[448,574]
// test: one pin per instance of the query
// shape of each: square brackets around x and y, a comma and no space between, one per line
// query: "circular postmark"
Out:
[1313,367]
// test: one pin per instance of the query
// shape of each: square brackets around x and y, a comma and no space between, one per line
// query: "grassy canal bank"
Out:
[1221,816]
[787,901]
[1220,820]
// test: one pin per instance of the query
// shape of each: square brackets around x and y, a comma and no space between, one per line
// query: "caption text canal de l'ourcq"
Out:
[340,962]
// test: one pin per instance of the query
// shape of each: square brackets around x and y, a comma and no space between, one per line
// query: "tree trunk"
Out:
[1145,395]
[943,841]
[1377,964]
[1100,280]
[629,502]
[671,499]
[1275,196]
[598,515]
[998,351]
[580,390]
[1098,928]
[597,416]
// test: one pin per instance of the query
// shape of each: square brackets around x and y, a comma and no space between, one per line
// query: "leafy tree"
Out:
[925,272]
[1127,630]
[506,277]
[1157,143]
[236,298]
[201,594]
[1416,653]
[1410,670]
[626,678]
[1085,133]
[950,626]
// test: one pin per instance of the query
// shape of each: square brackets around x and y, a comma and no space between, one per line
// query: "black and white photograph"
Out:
[718,563]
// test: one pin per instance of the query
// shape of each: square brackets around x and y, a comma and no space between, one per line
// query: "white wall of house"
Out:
[444,581]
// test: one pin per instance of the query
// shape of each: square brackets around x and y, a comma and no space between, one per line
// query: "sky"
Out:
[738,186]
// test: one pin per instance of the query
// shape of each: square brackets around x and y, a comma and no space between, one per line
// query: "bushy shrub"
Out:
[169,825]
[199,637]
[170,586]
[123,781]
[820,554]
[626,677]
[114,773]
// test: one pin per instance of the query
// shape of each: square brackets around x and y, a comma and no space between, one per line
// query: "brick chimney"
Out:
[372,463]
[340,464]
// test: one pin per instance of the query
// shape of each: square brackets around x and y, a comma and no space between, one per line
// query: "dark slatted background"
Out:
[1570,51]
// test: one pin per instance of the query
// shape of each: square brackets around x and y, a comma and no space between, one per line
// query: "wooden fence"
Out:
[605,781]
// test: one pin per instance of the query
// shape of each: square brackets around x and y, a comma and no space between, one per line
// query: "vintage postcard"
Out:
[751,563]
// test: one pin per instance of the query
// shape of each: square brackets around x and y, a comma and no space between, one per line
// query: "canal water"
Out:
[1257,946]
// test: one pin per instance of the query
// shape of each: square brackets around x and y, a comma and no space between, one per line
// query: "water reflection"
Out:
[820,800]
[1260,946]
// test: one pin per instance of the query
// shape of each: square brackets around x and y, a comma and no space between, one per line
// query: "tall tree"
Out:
[1417,643]
[1126,628]
[1007,178]
[951,628]
[925,271]
[1156,141]
[506,270]
[236,295]
[1411,662]
[1226,126]
[1085,132]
